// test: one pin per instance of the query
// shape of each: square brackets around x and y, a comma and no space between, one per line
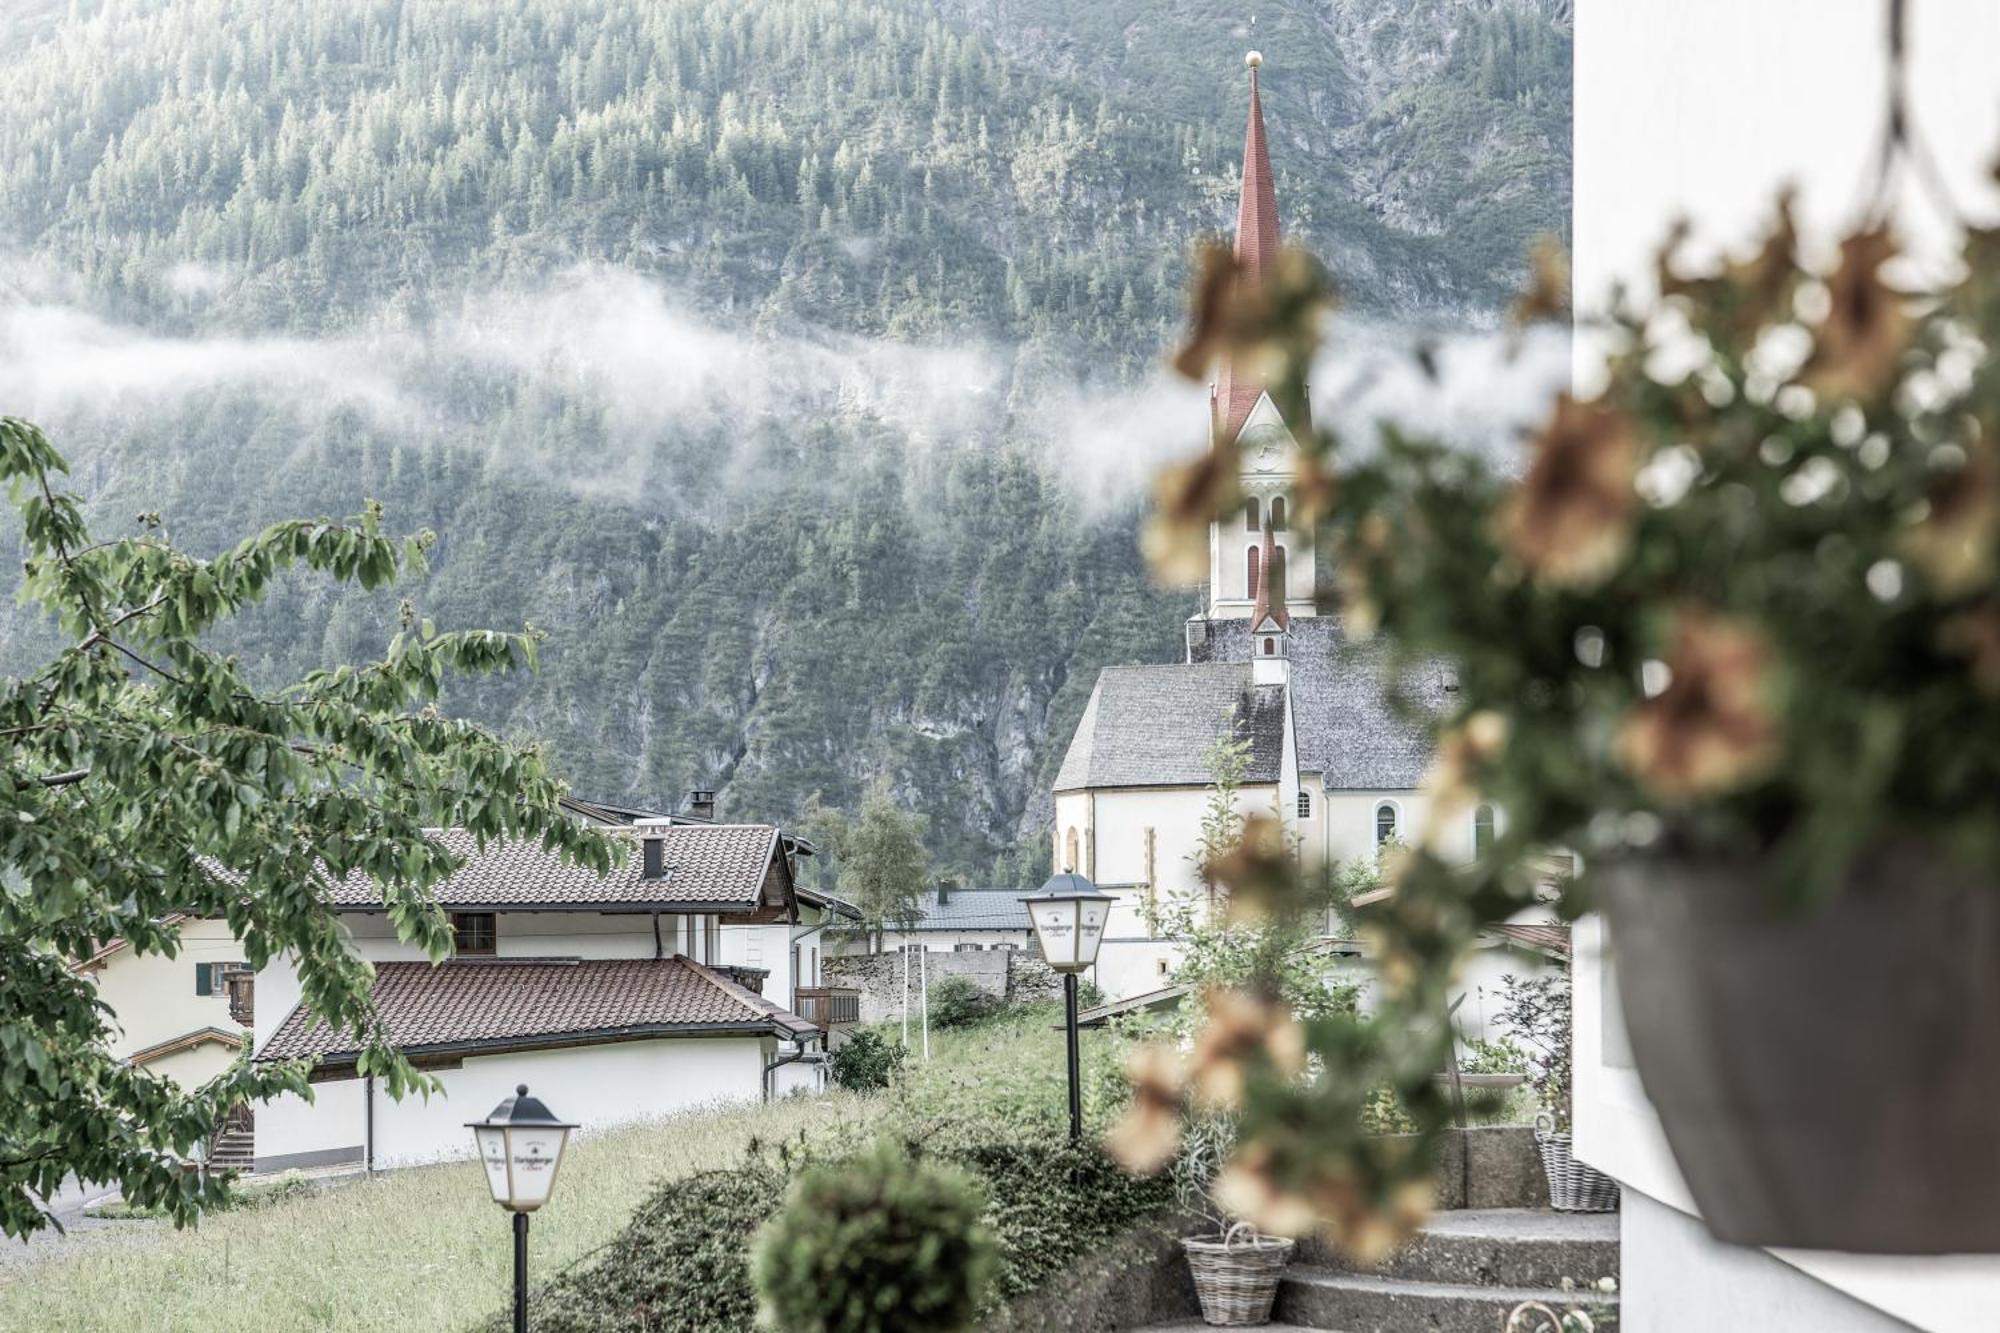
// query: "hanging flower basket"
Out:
[1236,1274]
[1828,1077]
[1574,1186]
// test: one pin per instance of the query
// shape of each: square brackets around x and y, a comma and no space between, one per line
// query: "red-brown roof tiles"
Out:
[707,864]
[518,1004]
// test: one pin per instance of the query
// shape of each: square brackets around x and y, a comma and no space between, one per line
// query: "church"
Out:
[1329,755]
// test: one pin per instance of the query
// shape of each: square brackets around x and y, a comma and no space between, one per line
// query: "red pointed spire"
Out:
[1256,251]
[1265,605]
[1257,211]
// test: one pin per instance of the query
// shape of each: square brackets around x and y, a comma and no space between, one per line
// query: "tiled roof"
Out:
[518,1004]
[975,909]
[708,864]
[1149,726]
[1348,727]
[1551,939]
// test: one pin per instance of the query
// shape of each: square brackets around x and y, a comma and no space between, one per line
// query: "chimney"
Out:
[652,847]
[944,890]
[701,804]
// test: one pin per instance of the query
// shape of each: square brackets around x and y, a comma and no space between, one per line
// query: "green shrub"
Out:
[1047,1199]
[1494,1057]
[681,1265]
[956,1003]
[880,1243]
[867,1060]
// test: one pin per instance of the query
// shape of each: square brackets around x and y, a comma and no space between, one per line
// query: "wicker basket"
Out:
[1236,1274]
[1574,1187]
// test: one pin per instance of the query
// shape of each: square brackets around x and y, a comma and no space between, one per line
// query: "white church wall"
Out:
[1698,109]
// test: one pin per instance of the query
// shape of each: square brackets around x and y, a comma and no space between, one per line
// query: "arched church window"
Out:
[1277,573]
[1250,582]
[1278,513]
[1069,853]
[1482,830]
[1305,805]
[1250,523]
[1388,822]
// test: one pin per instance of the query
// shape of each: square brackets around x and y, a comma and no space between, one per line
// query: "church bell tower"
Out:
[1256,558]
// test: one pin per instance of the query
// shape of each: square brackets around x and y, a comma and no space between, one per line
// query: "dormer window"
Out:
[1270,647]
[474,934]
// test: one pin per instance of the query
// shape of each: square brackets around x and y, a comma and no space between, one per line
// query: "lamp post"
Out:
[521,1145]
[1068,916]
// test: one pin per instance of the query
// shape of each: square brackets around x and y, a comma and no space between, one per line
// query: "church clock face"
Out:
[1264,445]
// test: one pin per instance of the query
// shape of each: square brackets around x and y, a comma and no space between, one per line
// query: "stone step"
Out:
[1503,1247]
[1321,1298]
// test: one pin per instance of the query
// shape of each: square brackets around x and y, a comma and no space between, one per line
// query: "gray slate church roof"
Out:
[1148,726]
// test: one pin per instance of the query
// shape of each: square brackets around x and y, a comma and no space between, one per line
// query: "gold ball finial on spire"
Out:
[1253,59]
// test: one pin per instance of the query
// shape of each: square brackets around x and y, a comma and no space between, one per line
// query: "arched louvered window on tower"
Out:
[1250,582]
[1250,516]
[1278,513]
[1482,830]
[1277,574]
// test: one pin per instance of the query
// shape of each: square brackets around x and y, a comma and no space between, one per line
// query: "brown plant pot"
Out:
[1829,1077]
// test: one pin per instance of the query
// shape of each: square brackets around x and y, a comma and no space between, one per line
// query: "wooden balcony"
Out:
[829,1006]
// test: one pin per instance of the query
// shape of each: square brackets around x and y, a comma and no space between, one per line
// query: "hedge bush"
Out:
[956,1003]
[879,1243]
[682,1263]
[867,1060]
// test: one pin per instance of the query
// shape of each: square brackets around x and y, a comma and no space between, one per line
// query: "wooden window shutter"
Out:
[204,978]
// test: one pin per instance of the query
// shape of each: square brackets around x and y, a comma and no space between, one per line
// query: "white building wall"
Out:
[1699,109]
[154,999]
[600,1087]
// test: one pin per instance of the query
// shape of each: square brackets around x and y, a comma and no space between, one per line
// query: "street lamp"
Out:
[1068,916]
[521,1144]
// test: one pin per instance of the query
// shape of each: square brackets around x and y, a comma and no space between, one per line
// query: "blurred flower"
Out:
[1259,870]
[1570,519]
[1453,779]
[1186,499]
[1953,542]
[1265,326]
[1149,1133]
[1867,326]
[1747,294]
[1547,296]
[1711,729]
[1361,615]
[1975,635]
[1248,1188]
[1239,1026]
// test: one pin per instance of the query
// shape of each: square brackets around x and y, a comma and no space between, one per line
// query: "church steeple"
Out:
[1249,577]
[1256,251]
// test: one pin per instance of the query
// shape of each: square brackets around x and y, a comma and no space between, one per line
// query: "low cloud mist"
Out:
[648,369]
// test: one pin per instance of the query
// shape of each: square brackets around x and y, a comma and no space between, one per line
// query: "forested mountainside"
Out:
[738,345]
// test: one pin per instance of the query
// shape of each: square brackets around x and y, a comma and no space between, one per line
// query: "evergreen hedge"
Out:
[682,1264]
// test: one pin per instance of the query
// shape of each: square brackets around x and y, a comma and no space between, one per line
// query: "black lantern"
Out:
[521,1145]
[1068,916]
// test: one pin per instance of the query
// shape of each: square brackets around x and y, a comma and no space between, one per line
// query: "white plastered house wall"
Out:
[155,1002]
[1699,109]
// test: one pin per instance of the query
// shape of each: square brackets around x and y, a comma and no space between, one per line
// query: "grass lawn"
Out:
[422,1248]
[1011,1065]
